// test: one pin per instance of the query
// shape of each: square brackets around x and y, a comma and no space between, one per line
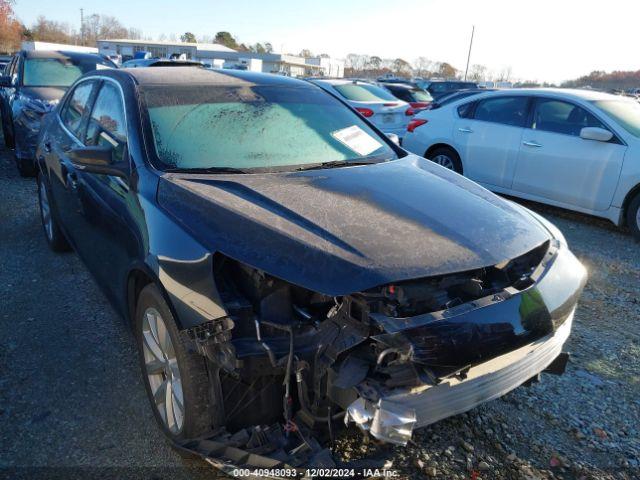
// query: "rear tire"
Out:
[26,169]
[446,157]
[49,218]
[176,379]
[633,216]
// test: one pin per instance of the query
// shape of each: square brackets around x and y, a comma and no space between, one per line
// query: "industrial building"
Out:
[219,56]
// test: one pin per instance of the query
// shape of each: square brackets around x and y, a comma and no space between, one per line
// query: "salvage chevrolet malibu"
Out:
[287,269]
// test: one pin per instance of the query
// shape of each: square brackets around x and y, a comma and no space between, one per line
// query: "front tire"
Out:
[446,157]
[633,216]
[26,168]
[7,133]
[49,218]
[176,379]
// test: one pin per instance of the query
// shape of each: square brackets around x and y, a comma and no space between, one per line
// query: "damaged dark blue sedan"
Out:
[287,269]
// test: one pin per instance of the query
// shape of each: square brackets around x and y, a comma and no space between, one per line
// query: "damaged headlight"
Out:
[35,108]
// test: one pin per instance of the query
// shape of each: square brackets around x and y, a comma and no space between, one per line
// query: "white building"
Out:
[38,46]
[219,56]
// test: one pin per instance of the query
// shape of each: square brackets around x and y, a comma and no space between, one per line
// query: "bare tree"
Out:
[477,73]
[423,66]
[10,28]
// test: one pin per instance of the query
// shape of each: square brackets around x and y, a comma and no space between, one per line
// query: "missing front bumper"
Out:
[484,382]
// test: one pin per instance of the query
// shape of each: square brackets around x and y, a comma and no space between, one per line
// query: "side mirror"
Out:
[394,138]
[596,133]
[5,81]
[98,160]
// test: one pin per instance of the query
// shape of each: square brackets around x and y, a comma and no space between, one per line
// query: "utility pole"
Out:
[466,70]
[82,26]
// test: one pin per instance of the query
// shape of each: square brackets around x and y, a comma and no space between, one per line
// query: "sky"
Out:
[543,40]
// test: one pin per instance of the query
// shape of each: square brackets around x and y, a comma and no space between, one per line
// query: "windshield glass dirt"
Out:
[255,127]
[59,72]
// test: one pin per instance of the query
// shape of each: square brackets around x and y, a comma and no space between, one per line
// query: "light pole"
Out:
[82,26]
[466,70]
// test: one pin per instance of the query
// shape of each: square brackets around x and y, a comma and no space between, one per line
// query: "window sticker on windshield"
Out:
[357,140]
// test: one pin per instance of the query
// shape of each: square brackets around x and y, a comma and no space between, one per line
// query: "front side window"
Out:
[562,117]
[60,71]
[264,127]
[106,126]
[364,93]
[505,110]
[75,107]
[625,113]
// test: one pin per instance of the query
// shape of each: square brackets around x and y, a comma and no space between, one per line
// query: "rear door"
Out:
[489,139]
[557,164]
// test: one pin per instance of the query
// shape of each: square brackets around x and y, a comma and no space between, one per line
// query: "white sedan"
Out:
[378,105]
[576,149]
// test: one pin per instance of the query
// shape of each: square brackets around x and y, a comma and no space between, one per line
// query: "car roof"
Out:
[202,76]
[342,81]
[405,86]
[58,54]
[575,93]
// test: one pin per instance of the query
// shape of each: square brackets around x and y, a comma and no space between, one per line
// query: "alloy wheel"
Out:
[45,210]
[444,161]
[162,370]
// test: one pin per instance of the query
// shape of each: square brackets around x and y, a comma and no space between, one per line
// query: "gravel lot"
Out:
[72,400]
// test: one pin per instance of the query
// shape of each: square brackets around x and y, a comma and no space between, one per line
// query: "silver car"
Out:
[378,105]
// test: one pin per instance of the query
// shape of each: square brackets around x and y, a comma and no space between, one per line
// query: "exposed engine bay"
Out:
[298,365]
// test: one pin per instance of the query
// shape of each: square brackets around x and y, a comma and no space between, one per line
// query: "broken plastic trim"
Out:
[387,421]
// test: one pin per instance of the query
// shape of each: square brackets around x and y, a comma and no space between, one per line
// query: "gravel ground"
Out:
[72,402]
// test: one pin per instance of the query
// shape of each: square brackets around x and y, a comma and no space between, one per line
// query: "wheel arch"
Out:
[139,277]
[627,201]
[435,146]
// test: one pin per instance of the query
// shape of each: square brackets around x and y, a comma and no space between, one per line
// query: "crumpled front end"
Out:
[29,114]
[390,359]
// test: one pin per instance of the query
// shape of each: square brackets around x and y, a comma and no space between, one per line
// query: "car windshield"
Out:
[256,127]
[364,93]
[60,71]
[421,95]
[625,112]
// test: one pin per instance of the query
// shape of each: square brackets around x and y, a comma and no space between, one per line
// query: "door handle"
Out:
[529,143]
[465,130]
[72,180]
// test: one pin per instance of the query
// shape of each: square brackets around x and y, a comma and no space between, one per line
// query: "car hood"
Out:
[46,94]
[342,230]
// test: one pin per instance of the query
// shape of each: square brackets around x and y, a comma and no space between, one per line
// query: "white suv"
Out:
[575,149]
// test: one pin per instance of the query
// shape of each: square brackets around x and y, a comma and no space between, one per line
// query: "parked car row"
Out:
[576,149]
[31,86]
[281,262]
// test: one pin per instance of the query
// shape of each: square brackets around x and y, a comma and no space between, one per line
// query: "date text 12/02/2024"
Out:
[316,473]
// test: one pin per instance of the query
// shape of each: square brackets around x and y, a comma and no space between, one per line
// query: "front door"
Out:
[555,163]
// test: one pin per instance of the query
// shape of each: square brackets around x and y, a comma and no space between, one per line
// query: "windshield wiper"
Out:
[209,170]
[335,164]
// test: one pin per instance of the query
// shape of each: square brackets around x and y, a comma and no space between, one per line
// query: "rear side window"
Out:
[562,117]
[364,93]
[106,125]
[402,94]
[465,110]
[505,110]
[76,105]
